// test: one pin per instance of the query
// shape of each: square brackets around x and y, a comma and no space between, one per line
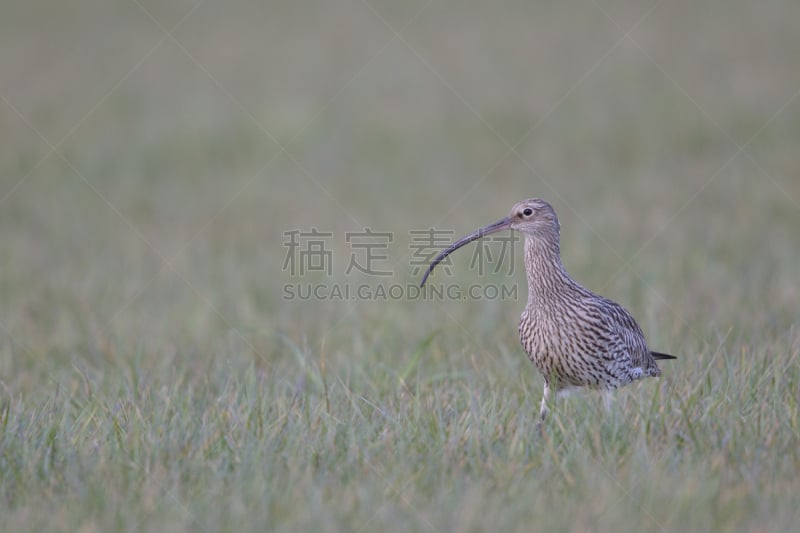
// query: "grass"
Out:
[153,376]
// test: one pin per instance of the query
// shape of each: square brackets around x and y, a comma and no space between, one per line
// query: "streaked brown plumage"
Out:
[575,337]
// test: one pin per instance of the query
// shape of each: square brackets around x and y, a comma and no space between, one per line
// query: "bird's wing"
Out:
[625,331]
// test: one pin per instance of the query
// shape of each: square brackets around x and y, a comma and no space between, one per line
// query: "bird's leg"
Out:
[543,410]
[545,397]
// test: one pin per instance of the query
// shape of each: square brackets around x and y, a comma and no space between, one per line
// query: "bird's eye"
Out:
[527,212]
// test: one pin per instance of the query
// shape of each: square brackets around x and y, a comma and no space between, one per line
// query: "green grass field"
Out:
[154,376]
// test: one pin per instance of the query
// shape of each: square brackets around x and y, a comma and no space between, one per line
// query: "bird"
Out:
[574,337]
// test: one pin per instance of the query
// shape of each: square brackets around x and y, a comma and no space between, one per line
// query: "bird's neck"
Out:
[547,278]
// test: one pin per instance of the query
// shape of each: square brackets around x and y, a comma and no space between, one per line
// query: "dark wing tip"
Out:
[659,355]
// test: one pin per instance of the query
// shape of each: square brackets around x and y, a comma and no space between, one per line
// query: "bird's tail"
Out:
[659,355]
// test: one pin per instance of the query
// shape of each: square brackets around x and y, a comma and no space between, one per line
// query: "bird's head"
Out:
[533,217]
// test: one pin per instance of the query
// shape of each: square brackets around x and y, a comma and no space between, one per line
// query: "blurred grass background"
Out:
[152,155]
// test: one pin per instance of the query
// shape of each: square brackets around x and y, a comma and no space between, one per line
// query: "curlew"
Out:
[575,337]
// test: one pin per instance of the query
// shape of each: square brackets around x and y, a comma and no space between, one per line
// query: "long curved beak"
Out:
[500,225]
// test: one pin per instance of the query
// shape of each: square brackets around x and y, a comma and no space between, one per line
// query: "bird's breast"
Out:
[562,351]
